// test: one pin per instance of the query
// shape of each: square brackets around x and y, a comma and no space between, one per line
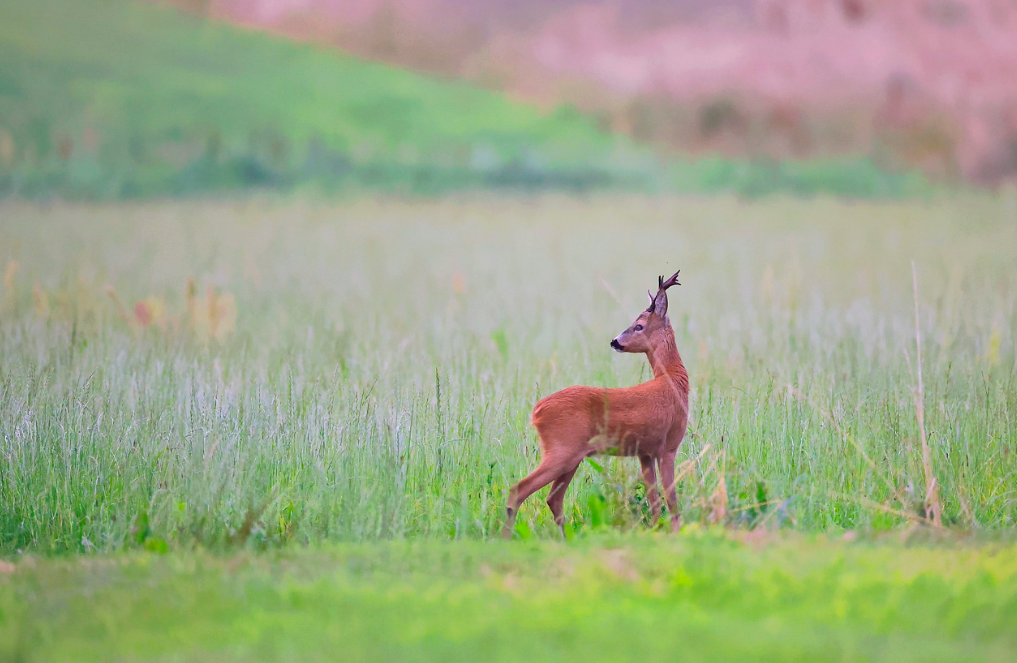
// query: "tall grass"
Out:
[267,371]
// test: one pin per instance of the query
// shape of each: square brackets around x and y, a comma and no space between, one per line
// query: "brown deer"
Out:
[647,420]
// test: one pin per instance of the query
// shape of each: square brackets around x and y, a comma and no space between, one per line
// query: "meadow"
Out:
[276,429]
[265,372]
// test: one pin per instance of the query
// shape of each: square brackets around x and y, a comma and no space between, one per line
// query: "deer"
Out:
[647,420]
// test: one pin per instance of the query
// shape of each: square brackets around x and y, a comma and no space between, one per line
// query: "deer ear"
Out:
[660,304]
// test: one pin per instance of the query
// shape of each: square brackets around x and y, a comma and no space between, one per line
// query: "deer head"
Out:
[639,337]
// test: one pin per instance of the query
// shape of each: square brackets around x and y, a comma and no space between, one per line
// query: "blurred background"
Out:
[113,99]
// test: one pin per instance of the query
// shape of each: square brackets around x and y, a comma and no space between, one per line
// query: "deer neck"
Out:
[664,358]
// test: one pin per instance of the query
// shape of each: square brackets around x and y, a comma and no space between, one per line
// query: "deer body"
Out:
[647,421]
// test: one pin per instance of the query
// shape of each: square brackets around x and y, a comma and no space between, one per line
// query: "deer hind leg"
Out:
[556,498]
[650,481]
[550,468]
[670,490]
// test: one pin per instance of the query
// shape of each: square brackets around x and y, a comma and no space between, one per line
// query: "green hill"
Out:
[110,98]
[120,99]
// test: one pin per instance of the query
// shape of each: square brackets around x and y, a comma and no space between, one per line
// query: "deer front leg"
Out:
[650,481]
[670,490]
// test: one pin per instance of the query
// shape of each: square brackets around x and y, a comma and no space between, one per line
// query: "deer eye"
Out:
[638,328]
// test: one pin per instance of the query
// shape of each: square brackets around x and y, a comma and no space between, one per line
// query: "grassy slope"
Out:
[699,597]
[110,98]
[143,80]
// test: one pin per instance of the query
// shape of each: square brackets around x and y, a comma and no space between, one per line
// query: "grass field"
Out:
[268,372]
[285,430]
[700,597]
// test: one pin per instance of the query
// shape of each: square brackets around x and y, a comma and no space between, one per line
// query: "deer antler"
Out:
[659,303]
[664,285]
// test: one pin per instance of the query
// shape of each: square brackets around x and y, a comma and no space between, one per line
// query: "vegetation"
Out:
[108,99]
[263,374]
[275,431]
[703,597]
[849,177]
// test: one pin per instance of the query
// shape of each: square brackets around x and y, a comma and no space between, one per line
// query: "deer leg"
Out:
[650,481]
[548,470]
[556,498]
[670,490]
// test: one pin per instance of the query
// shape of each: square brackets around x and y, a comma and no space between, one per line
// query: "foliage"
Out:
[847,177]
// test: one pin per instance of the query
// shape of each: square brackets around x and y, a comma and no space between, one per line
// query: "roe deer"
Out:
[647,420]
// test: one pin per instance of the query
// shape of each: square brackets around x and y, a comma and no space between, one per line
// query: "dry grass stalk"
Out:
[718,500]
[872,504]
[191,295]
[9,272]
[40,301]
[689,465]
[121,310]
[933,507]
[213,311]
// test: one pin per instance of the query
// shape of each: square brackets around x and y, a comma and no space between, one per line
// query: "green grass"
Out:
[371,366]
[846,176]
[279,430]
[700,597]
[145,101]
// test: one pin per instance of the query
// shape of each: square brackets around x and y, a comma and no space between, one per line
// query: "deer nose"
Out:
[616,345]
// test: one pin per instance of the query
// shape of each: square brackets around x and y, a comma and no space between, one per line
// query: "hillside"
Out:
[108,98]
[912,83]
